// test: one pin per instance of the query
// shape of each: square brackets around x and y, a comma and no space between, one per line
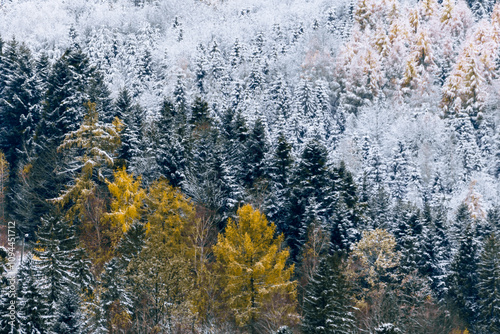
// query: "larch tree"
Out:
[162,273]
[96,143]
[93,146]
[254,271]
[127,202]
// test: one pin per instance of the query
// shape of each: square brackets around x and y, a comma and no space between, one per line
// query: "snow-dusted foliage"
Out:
[335,119]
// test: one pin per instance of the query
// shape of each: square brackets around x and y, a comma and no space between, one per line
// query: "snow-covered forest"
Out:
[204,166]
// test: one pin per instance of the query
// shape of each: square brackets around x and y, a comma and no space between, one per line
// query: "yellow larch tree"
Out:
[420,66]
[447,11]
[374,257]
[414,20]
[163,270]
[96,144]
[257,281]
[93,148]
[487,39]
[127,203]
[428,8]
[380,42]
[362,14]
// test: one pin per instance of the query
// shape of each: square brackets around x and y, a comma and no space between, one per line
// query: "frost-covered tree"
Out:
[97,144]
[310,179]
[327,308]
[463,278]
[54,249]
[488,286]
[35,314]
[130,134]
[68,319]
[170,149]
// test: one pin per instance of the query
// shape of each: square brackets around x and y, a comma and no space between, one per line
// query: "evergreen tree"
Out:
[115,297]
[10,316]
[130,134]
[488,286]
[255,153]
[42,175]
[438,248]
[99,93]
[279,170]
[310,179]
[36,316]
[399,176]
[20,96]
[463,278]
[326,301]
[343,208]
[4,178]
[68,319]
[66,94]
[170,151]
[94,316]
[55,247]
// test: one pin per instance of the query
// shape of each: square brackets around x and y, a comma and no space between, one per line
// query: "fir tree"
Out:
[170,152]
[130,134]
[55,247]
[255,153]
[36,316]
[115,297]
[463,278]
[326,301]
[488,286]
[20,96]
[280,171]
[68,319]
[310,179]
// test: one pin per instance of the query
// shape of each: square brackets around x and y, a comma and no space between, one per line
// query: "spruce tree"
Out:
[488,286]
[19,96]
[463,278]
[36,315]
[170,151]
[115,296]
[130,134]
[327,306]
[255,153]
[68,318]
[54,248]
[279,170]
[310,179]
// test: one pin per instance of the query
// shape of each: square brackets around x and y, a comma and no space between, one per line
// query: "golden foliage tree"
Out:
[374,257]
[163,273]
[258,287]
[96,143]
[128,199]
[93,147]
